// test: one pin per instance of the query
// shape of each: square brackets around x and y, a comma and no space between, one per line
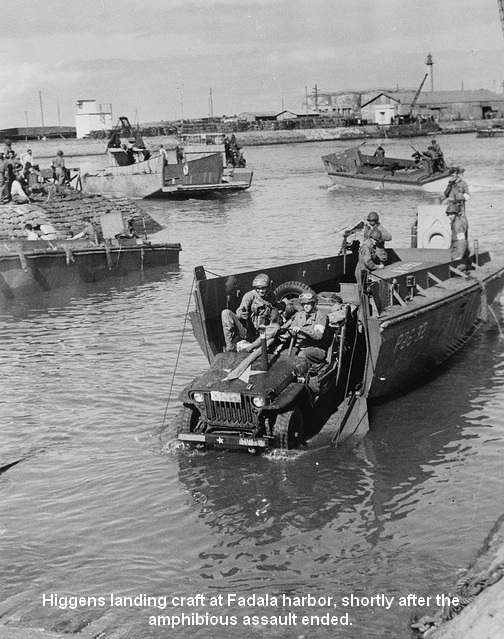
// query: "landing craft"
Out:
[398,326]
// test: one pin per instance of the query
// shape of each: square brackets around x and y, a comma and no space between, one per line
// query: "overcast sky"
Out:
[158,59]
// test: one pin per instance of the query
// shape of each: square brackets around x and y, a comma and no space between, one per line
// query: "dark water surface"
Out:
[105,502]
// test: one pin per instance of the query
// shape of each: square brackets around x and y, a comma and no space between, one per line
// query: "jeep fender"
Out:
[288,396]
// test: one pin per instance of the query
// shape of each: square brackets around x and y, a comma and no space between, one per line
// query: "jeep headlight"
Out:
[199,397]
[259,402]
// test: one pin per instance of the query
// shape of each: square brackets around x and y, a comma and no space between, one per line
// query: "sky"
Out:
[156,60]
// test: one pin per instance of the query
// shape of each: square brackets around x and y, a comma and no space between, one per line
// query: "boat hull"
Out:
[490,133]
[201,176]
[351,167]
[136,181]
[70,264]
[433,186]
[406,340]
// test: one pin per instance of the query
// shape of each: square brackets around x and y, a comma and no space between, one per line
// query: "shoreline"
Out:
[86,147]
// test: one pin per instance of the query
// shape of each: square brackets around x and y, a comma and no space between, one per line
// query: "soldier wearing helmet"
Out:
[457,191]
[459,245]
[373,222]
[259,307]
[368,258]
[438,163]
[309,326]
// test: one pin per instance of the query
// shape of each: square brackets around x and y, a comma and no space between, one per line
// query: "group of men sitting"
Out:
[260,307]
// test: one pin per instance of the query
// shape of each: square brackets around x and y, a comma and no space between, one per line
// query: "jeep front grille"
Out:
[238,414]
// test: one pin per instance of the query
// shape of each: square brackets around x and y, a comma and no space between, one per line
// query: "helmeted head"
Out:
[375,235]
[261,283]
[452,209]
[308,297]
[373,217]
[59,153]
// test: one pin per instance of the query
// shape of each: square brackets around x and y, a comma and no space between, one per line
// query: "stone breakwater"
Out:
[66,212]
[44,150]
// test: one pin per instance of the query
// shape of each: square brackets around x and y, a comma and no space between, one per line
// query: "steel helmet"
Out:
[375,235]
[452,208]
[373,217]
[309,296]
[262,281]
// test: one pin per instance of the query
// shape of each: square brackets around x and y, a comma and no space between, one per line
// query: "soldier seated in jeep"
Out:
[309,327]
[259,307]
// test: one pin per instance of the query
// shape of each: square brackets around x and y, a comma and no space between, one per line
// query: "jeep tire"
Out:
[288,430]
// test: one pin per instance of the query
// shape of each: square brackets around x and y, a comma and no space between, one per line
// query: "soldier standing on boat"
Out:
[379,154]
[438,163]
[373,222]
[368,259]
[459,244]
[457,191]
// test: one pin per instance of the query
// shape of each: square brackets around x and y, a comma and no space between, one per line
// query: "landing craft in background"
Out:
[398,325]
[197,168]
[353,168]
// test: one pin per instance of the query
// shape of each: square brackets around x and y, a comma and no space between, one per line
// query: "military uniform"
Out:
[380,247]
[253,312]
[311,342]
[459,244]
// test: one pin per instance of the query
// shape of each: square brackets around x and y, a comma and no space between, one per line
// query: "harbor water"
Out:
[106,505]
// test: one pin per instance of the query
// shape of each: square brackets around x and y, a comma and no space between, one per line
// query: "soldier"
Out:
[459,244]
[259,307]
[373,222]
[309,326]
[368,259]
[457,191]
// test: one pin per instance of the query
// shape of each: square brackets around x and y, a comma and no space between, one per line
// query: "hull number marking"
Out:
[412,336]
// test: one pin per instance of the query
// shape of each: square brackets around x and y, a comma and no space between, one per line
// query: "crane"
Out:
[417,94]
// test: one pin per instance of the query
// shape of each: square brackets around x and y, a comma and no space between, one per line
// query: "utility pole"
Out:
[26,118]
[42,113]
[430,64]
[315,91]
[59,119]
[180,87]
[306,98]
[211,103]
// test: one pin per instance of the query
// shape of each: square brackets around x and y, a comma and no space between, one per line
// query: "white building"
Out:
[91,117]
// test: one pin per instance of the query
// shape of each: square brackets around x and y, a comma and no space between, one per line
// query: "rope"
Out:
[468,588]
[178,355]
[496,319]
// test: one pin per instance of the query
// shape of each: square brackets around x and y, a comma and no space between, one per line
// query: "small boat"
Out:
[198,167]
[353,168]
[491,132]
[31,266]
[398,324]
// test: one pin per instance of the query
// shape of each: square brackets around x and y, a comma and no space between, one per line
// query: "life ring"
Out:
[290,290]
[185,169]
[436,236]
